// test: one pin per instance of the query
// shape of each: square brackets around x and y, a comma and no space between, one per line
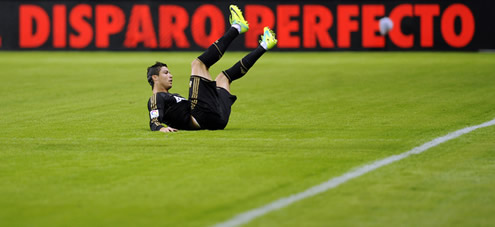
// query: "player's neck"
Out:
[157,89]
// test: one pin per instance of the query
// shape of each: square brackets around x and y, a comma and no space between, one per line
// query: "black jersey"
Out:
[208,104]
[170,109]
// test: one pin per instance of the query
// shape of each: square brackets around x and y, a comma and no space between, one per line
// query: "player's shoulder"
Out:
[176,95]
[165,97]
[157,98]
[162,95]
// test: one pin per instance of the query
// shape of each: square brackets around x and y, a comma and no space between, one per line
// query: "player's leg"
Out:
[201,65]
[240,68]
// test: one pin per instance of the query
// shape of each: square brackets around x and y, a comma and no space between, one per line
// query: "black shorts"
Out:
[210,105]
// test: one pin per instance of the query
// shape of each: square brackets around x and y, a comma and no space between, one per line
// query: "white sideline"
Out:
[247,216]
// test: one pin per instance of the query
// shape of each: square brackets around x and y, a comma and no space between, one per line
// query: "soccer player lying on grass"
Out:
[210,102]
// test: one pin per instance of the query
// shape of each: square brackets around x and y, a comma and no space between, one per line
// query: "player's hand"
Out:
[168,129]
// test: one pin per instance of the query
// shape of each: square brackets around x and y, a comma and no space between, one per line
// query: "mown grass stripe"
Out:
[250,215]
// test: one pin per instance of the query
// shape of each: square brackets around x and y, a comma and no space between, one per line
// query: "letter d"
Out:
[27,37]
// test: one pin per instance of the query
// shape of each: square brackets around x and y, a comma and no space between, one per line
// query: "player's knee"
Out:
[222,78]
[197,64]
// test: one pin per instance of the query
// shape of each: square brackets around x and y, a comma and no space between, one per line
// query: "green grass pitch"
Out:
[76,150]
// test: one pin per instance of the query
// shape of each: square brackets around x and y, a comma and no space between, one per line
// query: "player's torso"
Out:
[173,109]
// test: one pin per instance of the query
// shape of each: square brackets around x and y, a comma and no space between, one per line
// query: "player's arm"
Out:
[155,125]
[155,111]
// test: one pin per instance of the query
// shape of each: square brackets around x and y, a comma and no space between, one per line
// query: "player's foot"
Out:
[268,40]
[236,19]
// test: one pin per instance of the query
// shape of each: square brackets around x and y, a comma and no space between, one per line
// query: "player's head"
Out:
[158,74]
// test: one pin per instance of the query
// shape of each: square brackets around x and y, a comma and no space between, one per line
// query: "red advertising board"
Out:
[192,25]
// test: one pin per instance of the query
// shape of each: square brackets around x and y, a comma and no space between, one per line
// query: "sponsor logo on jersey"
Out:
[154,114]
[179,99]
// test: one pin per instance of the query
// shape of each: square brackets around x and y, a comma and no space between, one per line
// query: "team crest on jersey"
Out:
[179,99]
[154,114]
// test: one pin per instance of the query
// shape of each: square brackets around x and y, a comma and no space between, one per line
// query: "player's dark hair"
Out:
[154,70]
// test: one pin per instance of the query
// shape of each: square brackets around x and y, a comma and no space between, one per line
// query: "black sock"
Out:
[241,67]
[216,50]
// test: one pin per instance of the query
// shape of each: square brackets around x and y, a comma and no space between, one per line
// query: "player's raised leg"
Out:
[239,69]
[239,25]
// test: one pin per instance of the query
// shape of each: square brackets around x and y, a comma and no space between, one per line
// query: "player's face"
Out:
[165,78]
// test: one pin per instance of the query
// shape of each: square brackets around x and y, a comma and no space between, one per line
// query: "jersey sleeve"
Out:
[154,109]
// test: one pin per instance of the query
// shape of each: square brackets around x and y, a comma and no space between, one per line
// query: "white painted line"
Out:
[248,216]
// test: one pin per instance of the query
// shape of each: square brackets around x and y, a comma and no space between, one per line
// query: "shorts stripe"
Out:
[194,95]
